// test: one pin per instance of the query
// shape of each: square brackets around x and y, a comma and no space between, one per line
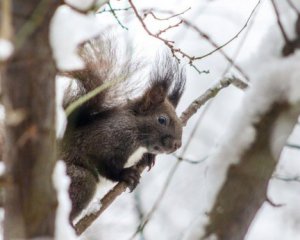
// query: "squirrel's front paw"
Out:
[130,176]
[149,160]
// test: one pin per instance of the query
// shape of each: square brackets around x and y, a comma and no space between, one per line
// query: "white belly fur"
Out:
[135,157]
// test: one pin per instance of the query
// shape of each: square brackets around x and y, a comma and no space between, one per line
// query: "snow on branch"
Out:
[251,149]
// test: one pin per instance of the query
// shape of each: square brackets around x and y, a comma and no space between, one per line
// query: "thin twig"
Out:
[169,27]
[290,145]
[234,37]
[146,219]
[240,45]
[115,16]
[293,6]
[286,39]
[286,179]
[202,34]
[77,103]
[208,94]
[114,9]
[167,18]
[138,207]
[168,43]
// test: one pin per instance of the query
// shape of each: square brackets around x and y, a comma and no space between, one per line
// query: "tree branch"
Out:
[286,39]
[105,202]
[210,93]
[247,181]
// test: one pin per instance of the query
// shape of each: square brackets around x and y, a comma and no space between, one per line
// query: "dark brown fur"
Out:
[99,139]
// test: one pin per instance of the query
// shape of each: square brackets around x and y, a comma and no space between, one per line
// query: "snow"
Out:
[6,49]
[62,84]
[68,29]
[93,207]
[2,168]
[80,4]
[61,181]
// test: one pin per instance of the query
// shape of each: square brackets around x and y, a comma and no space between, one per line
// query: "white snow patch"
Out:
[93,207]
[62,84]
[80,4]
[61,181]
[2,168]
[68,29]
[6,49]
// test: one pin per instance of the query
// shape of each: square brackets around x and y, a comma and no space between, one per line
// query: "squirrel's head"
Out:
[159,127]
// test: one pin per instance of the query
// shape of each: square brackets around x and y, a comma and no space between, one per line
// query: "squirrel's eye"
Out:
[162,120]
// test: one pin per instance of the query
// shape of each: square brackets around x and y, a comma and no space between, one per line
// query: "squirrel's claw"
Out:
[149,158]
[131,177]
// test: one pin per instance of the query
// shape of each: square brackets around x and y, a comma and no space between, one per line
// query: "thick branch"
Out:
[244,190]
[105,202]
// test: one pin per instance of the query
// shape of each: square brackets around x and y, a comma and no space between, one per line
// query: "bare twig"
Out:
[273,204]
[290,145]
[286,39]
[202,34]
[240,45]
[114,9]
[286,179]
[169,27]
[167,18]
[293,6]
[115,16]
[210,93]
[230,40]
[138,207]
[168,43]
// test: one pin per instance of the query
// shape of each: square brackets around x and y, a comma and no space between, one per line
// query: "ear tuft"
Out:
[167,81]
[178,86]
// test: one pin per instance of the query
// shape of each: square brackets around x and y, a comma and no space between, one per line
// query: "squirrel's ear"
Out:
[153,97]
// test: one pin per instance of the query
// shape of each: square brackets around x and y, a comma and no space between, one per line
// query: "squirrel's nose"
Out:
[176,144]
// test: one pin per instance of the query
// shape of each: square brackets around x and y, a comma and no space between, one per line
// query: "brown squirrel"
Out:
[101,140]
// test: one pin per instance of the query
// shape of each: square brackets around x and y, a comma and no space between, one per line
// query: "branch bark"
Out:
[105,202]
[28,85]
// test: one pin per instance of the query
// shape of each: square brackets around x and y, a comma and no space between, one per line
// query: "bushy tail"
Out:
[102,65]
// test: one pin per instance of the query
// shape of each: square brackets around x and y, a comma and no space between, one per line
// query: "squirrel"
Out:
[104,140]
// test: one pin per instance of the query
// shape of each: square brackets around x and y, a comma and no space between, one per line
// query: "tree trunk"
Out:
[28,86]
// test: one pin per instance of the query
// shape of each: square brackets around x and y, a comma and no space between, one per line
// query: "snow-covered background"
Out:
[182,209]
